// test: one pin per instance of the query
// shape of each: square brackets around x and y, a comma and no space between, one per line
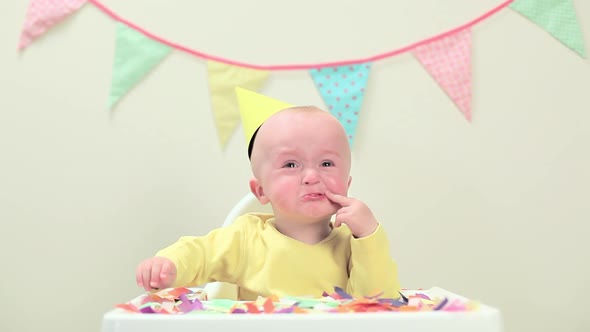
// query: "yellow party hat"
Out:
[255,109]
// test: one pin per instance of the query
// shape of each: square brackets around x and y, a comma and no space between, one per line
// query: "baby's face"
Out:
[298,156]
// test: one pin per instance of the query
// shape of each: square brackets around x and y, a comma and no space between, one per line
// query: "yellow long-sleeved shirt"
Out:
[260,260]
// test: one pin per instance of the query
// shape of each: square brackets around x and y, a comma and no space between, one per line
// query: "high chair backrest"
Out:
[249,203]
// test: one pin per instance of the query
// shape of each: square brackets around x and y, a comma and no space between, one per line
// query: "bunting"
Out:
[135,56]
[558,17]
[42,15]
[342,89]
[342,84]
[223,79]
[448,61]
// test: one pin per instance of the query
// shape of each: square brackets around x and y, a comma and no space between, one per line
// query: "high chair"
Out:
[249,203]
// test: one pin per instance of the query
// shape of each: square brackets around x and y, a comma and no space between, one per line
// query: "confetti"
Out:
[186,301]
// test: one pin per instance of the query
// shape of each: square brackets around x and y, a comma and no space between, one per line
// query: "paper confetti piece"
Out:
[287,310]
[147,310]
[393,302]
[127,306]
[177,292]
[441,304]
[223,303]
[187,305]
[404,298]
[341,293]
[252,308]
[307,303]
[269,306]
[420,295]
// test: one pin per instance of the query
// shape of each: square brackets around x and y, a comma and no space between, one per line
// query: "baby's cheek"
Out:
[336,185]
[281,191]
[283,188]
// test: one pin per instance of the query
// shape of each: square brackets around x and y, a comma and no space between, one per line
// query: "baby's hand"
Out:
[155,272]
[355,214]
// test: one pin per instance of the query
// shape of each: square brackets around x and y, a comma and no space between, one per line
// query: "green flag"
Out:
[135,56]
[558,17]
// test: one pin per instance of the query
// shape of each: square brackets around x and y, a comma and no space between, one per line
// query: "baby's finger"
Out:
[338,221]
[167,274]
[139,275]
[146,274]
[339,199]
[155,274]
[343,211]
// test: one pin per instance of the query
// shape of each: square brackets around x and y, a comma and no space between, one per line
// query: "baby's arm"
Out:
[371,267]
[372,270]
[195,260]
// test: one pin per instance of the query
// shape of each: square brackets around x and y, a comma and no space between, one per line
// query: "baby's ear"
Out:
[257,190]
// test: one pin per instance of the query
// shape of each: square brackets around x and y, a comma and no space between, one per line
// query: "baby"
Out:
[300,159]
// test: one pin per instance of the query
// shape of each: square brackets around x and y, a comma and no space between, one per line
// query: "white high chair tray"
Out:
[483,319]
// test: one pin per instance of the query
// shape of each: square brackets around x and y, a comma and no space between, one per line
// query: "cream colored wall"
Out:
[496,210]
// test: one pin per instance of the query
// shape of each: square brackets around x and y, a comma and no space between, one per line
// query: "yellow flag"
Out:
[223,79]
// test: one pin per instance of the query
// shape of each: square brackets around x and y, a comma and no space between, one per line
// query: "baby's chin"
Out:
[320,216]
[311,213]
[309,217]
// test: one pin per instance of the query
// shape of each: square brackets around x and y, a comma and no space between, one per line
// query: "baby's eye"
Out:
[327,163]
[290,164]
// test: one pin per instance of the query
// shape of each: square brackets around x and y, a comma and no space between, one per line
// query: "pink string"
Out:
[373,58]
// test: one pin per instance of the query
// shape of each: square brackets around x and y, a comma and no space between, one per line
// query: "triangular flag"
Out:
[342,88]
[223,79]
[558,17]
[448,61]
[135,56]
[44,14]
[255,109]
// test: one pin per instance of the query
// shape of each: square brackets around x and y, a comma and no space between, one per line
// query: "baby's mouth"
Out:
[314,196]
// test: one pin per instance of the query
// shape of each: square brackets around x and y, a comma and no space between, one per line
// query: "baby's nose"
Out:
[311,177]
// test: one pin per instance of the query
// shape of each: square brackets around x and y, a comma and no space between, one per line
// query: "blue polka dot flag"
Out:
[342,88]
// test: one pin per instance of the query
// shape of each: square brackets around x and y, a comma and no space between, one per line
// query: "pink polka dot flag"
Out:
[448,61]
[44,14]
[342,89]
